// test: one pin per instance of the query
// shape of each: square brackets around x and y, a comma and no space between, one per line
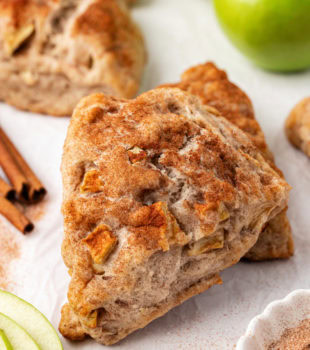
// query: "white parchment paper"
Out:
[179,34]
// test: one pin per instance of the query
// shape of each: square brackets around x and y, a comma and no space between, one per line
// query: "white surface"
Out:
[179,34]
[278,316]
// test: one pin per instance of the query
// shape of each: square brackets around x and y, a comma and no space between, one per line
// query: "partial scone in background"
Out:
[297,126]
[160,195]
[54,52]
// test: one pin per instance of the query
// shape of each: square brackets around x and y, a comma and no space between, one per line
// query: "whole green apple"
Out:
[275,34]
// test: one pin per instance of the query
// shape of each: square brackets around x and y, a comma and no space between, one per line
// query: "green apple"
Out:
[31,319]
[17,336]
[275,34]
[4,341]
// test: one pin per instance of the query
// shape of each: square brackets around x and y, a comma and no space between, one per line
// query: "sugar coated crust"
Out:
[160,195]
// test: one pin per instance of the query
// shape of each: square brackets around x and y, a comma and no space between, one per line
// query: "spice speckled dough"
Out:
[297,126]
[213,87]
[54,52]
[160,195]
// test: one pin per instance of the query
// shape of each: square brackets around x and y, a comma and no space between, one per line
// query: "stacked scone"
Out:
[214,89]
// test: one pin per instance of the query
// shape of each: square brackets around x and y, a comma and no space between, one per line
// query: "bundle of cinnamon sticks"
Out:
[25,187]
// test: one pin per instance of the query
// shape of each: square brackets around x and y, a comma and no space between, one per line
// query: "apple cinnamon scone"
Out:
[160,195]
[297,126]
[62,50]
[214,89]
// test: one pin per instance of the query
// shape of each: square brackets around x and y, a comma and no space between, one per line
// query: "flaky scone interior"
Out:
[160,195]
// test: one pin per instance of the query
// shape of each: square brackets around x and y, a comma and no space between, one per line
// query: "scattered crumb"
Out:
[10,251]
[297,338]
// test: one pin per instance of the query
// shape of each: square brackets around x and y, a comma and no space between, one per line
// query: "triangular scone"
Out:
[160,196]
[214,89]
[63,50]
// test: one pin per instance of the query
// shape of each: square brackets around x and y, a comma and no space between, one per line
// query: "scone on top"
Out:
[214,89]
[54,52]
[297,126]
[160,195]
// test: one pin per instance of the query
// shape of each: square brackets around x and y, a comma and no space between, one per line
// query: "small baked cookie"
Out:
[54,52]
[297,126]
[160,195]
[213,87]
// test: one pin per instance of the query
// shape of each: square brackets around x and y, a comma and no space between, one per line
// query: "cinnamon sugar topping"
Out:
[297,338]
[9,251]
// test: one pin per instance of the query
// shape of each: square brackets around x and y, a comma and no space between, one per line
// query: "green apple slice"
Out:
[17,336]
[31,319]
[4,341]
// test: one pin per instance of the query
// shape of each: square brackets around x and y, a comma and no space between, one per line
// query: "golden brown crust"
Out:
[297,126]
[21,12]
[70,326]
[66,49]
[185,194]
[214,89]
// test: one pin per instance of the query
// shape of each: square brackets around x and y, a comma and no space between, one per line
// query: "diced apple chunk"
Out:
[14,39]
[100,243]
[206,244]
[92,182]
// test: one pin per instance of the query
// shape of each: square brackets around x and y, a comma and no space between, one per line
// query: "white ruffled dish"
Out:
[278,316]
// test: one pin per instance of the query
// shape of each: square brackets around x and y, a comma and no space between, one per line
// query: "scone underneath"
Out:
[214,88]
[160,195]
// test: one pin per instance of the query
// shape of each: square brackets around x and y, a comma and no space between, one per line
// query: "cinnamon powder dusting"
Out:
[297,338]
[9,251]
[9,247]
[34,212]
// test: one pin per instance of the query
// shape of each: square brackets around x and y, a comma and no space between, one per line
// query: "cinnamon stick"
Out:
[17,218]
[34,190]
[12,171]
[6,190]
